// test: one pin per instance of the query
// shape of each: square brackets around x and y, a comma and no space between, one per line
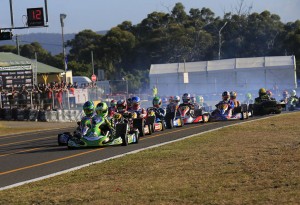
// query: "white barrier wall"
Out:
[240,74]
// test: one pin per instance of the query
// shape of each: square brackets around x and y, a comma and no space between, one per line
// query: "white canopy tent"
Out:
[211,77]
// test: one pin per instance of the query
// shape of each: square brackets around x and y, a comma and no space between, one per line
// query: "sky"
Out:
[99,15]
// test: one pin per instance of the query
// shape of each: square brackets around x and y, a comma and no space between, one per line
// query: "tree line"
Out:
[127,51]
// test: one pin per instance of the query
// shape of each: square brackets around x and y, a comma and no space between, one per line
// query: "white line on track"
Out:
[121,155]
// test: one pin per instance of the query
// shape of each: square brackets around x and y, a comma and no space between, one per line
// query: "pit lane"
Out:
[28,156]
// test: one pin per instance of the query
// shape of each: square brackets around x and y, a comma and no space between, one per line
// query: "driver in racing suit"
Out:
[270,94]
[106,127]
[186,101]
[122,109]
[294,98]
[262,96]
[225,100]
[233,95]
[136,107]
[285,97]
[159,111]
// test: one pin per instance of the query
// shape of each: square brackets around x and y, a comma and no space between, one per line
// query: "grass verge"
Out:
[252,163]
[18,127]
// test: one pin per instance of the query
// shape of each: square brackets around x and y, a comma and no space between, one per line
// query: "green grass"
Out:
[253,163]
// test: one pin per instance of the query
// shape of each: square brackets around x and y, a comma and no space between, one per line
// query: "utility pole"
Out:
[220,41]
[18,44]
[92,56]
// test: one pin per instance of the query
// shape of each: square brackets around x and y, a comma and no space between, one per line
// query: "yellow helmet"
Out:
[262,91]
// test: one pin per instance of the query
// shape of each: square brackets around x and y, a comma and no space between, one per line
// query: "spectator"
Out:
[48,100]
[59,96]
[22,97]
[75,85]
[11,97]
[36,94]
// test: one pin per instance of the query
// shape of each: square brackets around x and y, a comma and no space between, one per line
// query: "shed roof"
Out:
[11,59]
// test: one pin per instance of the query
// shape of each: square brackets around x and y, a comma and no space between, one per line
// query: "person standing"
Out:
[22,97]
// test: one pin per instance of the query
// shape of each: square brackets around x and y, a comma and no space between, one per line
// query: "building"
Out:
[16,70]
[214,77]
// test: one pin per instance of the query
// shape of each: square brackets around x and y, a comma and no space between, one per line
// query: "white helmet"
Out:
[176,99]
[293,93]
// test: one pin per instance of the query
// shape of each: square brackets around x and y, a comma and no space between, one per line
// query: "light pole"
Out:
[124,79]
[220,42]
[62,17]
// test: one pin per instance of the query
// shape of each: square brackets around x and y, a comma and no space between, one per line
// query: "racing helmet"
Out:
[193,99]
[136,102]
[233,95]
[176,99]
[248,96]
[102,109]
[293,93]
[262,92]
[88,108]
[121,106]
[113,103]
[156,102]
[200,99]
[129,102]
[285,94]
[225,95]
[186,98]
[171,98]
[165,100]
[269,93]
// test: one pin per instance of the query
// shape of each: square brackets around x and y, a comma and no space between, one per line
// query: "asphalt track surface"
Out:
[31,155]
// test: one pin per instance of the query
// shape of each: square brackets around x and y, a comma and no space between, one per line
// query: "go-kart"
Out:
[292,104]
[223,113]
[159,123]
[267,107]
[93,136]
[192,116]
[143,124]
[173,118]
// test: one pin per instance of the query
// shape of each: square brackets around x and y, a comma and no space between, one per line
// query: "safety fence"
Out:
[20,114]
[63,107]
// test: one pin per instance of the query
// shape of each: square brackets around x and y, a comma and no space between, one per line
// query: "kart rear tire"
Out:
[124,139]
[142,131]
[136,137]
[150,128]
[169,123]
[163,126]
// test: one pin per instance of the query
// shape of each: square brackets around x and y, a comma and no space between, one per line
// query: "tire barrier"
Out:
[19,114]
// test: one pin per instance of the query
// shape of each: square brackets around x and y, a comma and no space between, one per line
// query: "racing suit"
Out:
[141,112]
[159,112]
[294,100]
[107,129]
[230,103]
[230,106]
[261,99]
[192,107]
[111,111]
[236,102]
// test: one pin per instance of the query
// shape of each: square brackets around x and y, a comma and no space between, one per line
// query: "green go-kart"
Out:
[91,134]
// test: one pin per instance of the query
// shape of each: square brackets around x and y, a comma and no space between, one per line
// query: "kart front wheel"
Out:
[124,139]
[163,125]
